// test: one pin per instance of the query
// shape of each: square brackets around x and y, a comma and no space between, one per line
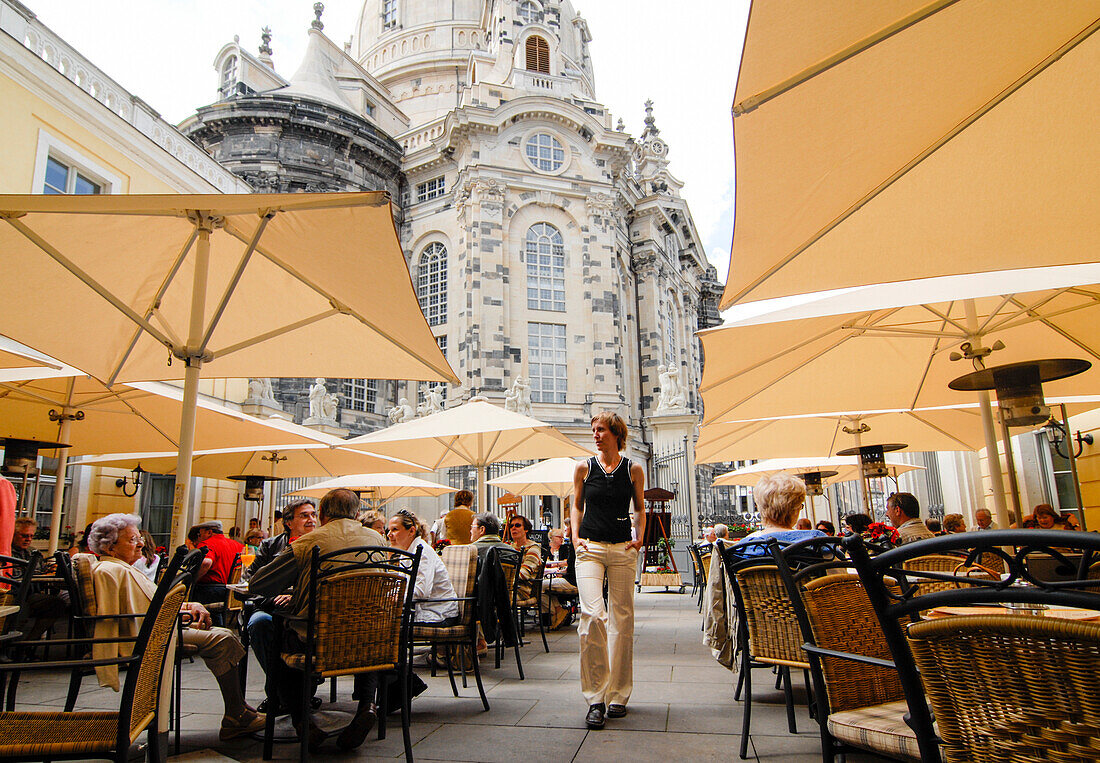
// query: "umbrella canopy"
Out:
[251,285]
[554,476]
[846,467]
[896,352]
[378,489]
[943,137]
[17,362]
[477,433]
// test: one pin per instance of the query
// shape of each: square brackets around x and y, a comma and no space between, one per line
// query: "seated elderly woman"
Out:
[121,589]
[407,532]
[373,519]
[953,523]
[560,577]
[518,527]
[779,499]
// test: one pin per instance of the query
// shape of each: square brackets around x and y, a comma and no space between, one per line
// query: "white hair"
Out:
[779,498]
[105,530]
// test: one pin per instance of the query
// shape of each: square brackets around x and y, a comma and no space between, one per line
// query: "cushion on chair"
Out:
[461,564]
[46,734]
[82,569]
[531,602]
[880,728]
[297,661]
[439,632]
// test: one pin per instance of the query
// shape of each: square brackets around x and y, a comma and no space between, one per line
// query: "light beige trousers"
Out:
[607,643]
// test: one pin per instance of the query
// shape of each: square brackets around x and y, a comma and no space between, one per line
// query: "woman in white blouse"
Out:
[407,532]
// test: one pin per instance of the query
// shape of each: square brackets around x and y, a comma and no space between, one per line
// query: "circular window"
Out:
[545,152]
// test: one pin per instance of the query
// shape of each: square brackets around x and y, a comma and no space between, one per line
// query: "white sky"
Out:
[684,56]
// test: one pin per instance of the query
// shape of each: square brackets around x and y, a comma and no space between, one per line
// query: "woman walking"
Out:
[607,536]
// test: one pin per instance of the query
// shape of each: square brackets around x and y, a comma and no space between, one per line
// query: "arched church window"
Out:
[529,12]
[229,77]
[545,152]
[389,14]
[671,354]
[538,55]
[544,253]
[431,283]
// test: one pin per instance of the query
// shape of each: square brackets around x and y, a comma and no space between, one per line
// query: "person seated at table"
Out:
[721,531]
[122,590]
[857,523]
[953,523]
[903,511]
[221,555]
[486,534]
[518,527]
[340,529]
[560,578]
[803,524]
[934,526]
[192,541]
[254,534]
[45,608]
[407,532]
[984,520]
[149,562]
[373,519]
[299,518]
[826,527]
[458,522]
[1042,517]
[779,498]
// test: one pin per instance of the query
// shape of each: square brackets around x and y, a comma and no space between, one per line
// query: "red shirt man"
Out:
[218,564]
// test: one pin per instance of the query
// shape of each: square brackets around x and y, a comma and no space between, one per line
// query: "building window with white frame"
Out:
[389,14]
[229,77]
[547,364]
[671,354]
[545,152]
[431,283]
[62,177]
[529,12]
[361,395]
[431,189]
[544,254]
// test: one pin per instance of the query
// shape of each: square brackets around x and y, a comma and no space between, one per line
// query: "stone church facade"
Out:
[546,243]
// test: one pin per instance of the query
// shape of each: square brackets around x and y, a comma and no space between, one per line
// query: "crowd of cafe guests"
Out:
[123,562]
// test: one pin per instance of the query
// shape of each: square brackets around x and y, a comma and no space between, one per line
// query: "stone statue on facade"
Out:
[518,398]
[329,404]
[401,412]
[672,396]
[317,394]
[435,400]
[260,392]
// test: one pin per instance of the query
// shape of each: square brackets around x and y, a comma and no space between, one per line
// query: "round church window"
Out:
[544,152]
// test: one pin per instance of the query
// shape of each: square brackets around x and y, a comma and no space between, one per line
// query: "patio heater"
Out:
[1019,388]
[815,485]
[254,487]
[872,461]
[21,460]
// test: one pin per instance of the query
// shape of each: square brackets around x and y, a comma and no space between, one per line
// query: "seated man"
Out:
[485,534]
[903,511]
[44,608]
[121,589]
[299,518]
[216,568]
[561,578]
[339,530]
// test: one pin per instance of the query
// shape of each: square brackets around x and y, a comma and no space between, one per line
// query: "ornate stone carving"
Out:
[673,398]
[401,412]
[601,204]
[518,398]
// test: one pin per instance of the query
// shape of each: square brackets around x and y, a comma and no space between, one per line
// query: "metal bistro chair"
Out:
[860,702]
[103,734]
[16,574]
[770,637]
[698,577]
[459,641]
[533,602]
[1010,687]
[358,620]
[509,560]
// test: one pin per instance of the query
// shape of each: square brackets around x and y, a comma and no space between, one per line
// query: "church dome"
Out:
[385,22]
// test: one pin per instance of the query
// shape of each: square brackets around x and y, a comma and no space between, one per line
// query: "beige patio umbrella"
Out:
[378,489]
[89,417]
[163,287]
[554,476]
[882,142]
[274,462]
[902,348]
[846,469]
[476,433]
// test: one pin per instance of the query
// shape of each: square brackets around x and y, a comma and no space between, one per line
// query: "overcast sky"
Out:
[682,55]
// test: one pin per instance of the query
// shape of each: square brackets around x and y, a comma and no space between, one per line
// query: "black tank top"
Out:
[607,498]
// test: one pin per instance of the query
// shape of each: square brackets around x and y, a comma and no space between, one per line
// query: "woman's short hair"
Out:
[105,530]
[526,522]
[779,497]
[615,424]
[826,527]
[370,516]
[953,523]
[410,521]
[1046,508]
[340,503]
[721,531]
[858,522]
[464,498]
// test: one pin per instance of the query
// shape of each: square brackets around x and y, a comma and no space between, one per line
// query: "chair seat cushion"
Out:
[47,734]
[531,602]
[297,661]
[422,631]
[880,728]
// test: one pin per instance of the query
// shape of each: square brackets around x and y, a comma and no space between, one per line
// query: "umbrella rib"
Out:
[152,309]
[452,446]
[253,242]
[447,375]
[155,428]
[87,279]
[985,327]
[1061,332]
[945,316]
[272,334]
[840,57]
[918,159]
[942,431]
[1013,320]
[309,453]
[500,456]
[924,374]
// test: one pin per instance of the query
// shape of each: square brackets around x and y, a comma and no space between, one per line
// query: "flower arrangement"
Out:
[441,544]
[740,529]
[880,532]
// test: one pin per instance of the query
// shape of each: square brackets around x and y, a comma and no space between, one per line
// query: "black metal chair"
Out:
[532,604]
[358,620]
[16,574]
[509,561]
[998,712]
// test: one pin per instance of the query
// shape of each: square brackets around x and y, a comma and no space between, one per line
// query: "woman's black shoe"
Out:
[594,719]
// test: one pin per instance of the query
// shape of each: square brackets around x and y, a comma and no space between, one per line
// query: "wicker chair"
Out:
[1048,700]
[459,641]
[700,566]
[770,636]
[358,620]
[522,606]
[104,734]
[16,575]
[509,561]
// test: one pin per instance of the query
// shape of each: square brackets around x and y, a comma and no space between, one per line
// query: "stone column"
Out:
[675,431]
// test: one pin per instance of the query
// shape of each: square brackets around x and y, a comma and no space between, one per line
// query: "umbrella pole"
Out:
[989,430]
[1010,463]
[182,498]
[59,485]
[482,489]
[1073,468]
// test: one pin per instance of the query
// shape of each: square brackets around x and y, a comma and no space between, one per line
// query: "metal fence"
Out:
[669,470]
